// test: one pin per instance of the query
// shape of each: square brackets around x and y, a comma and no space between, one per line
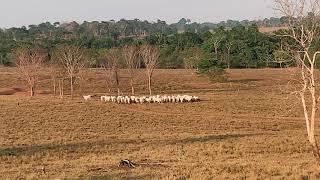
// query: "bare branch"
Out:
[111,65]
[131,54]
[72,59]
[29,62]
[150,55]
[304,25]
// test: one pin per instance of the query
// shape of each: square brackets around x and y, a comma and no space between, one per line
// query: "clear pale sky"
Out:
[25,12]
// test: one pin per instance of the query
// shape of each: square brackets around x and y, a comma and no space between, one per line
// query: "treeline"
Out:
[233,44]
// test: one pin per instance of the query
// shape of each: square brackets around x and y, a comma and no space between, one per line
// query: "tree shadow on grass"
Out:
[244,81]
[70,148]
[213,138]
[98,145]
[122,176]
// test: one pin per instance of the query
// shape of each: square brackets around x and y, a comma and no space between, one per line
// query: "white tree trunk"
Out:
[71,86]
[150,83]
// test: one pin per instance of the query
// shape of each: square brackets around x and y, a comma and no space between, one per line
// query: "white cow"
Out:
[119,99]
[87,97]
[113,99]
[127,100]
[187,98]
[196,99]
[103,98]
[145,99]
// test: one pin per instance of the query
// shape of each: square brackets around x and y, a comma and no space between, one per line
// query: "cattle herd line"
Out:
[146,99]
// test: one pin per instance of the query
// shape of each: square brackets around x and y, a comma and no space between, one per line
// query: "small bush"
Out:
[216,74]
[213,70]
[208,63]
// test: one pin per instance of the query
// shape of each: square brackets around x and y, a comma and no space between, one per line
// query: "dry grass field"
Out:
[247,128]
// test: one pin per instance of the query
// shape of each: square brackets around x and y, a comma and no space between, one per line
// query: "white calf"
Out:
[87,98]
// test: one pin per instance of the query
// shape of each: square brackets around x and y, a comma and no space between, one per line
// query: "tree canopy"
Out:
[235,44]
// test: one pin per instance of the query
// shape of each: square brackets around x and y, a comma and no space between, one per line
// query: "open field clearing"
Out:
[247,128]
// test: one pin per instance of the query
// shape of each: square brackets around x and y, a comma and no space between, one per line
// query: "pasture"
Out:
[247,128]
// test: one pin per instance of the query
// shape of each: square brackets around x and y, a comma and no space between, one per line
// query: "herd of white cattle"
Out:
[146,99]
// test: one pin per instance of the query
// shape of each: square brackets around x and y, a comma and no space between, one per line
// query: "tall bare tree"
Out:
[229,45]
[53,74]
[104,63]
[303,21]
[150,55]
[192,57]
[131,54]
[111,64]
[72,58]
[216,40]
[57,77]
[29,62]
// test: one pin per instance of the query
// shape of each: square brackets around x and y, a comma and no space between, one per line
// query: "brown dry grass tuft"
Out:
[247,128]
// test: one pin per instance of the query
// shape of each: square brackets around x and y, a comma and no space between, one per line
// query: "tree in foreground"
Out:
[303,28]
[131,55]
[150,55]
[29,62]
[72,59]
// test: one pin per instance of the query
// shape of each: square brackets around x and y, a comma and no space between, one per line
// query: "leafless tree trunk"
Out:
[32,90]
[61,89]
[108,78]
[117,78]
[54,73]
[111,65]
[150,55]
[72,60]
[304,28]
[71,86]
[54,87]
[131,58]
[229,46]
[107,71]
[29,62]
[57,75]
[216,45]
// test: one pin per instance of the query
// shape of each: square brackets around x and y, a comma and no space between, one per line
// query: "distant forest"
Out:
[232,44]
